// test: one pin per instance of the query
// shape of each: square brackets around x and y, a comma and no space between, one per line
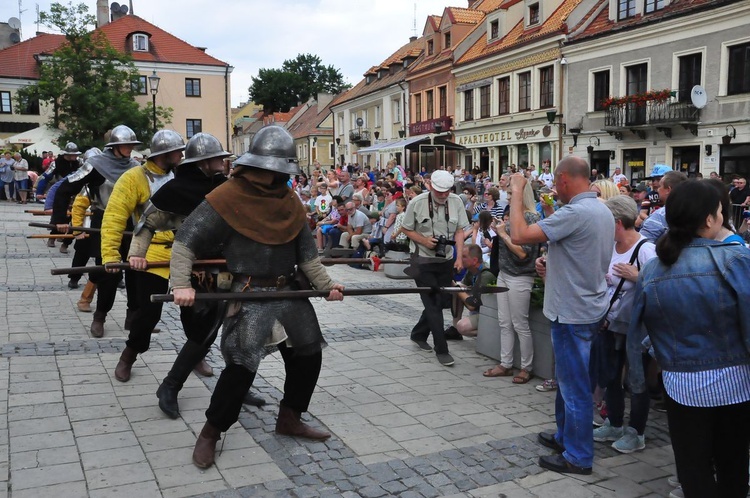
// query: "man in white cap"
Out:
[435,222]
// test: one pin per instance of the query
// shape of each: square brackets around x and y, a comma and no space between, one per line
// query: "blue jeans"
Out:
[573,409]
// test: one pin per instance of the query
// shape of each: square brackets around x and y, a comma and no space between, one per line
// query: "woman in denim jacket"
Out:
[694,301]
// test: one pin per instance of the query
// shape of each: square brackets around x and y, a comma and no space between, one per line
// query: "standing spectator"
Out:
[580,237]
[741,193]
[346,189]
[6,175]
[515,270]
[618,178]
[546,177]
[21,177]
[693,300]
[47,158]
[605,189]
[656,224]
[491,197]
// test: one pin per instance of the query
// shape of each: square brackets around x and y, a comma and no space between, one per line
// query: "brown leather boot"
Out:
[204,369]
[289,424]
[84,304]
[97,326]
[127,358]
[204,454]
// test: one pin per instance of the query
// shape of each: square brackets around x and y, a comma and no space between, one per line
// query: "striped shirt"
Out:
[709,388]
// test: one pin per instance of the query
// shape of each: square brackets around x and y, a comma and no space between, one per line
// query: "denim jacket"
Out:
[697,311]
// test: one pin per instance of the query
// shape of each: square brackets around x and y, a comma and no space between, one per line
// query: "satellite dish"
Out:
[15,38]
[698,97]
[360,121]
[14,23]
[123,9]
[114,7]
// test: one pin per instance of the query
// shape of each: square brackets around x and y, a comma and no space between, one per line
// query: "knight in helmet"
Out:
[260,225]
[98,175]
[128,201]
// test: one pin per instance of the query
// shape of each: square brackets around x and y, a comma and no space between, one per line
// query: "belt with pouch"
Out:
[278,282]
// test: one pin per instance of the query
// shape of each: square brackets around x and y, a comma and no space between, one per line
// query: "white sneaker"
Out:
[673,481]
[598,419]
[677,493]
[630,441]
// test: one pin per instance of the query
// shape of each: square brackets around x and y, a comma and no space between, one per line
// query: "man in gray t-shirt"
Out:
[358,228]
[580,236]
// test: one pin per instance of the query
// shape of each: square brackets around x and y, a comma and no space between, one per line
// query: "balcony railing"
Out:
[654,113]
[359,136]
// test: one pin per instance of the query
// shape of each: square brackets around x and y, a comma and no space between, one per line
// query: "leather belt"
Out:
[251,281]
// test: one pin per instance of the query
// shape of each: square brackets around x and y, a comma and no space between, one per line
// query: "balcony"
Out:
[360,137]
[660,115]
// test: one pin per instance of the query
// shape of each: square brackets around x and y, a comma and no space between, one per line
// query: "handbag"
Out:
[616,295]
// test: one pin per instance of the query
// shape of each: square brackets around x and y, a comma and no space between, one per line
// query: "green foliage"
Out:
[537,293]
[90,86]
[296,82]
[35,162]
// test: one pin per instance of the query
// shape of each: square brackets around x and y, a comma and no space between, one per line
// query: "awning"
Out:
[408,143]
[35,135]
[38,147]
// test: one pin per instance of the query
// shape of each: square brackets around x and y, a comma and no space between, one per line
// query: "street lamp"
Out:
[153,82]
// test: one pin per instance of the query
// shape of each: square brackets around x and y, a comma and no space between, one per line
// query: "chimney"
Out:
[412,38]
[323,100]
[472,3]
[102,13]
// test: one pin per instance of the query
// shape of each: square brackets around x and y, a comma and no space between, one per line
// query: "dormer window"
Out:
[368,79]
[494,29]
[447,39]
[654,5]
[140,43]
[430,47]
[533,14]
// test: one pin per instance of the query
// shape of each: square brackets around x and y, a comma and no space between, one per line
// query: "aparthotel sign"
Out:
[499,137]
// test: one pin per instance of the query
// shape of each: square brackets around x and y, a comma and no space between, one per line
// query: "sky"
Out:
[351,35]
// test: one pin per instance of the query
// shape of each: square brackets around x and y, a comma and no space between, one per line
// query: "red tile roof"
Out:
[17,61]
[309,123]
[459,15]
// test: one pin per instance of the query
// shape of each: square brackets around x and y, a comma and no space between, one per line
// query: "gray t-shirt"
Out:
[359,219]
[581,238]
[417,218]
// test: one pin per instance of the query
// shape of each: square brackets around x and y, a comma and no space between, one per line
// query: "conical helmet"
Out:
[203,146]
[166,141]
[122,135]
[273,149]
[71,149]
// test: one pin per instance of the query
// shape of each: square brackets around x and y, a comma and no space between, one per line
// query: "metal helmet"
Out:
[166,141]
[93,151]
[273,149]
[71,149]
[122,135]
[203,146]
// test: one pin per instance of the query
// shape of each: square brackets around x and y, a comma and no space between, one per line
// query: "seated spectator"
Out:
[357,228]
[323,202]
[483,234]
[477,275]
[325,225]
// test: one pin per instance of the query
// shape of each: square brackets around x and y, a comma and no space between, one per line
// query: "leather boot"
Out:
[127,358]
[289,424]
[97,326]
[204,453]
[190,353]
[253,400]
[84,304]
[203,368]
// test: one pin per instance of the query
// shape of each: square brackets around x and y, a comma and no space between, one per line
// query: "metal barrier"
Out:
[737,218]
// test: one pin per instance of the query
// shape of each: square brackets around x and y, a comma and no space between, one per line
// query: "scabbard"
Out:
[52,226]
[78,270]
[305,294]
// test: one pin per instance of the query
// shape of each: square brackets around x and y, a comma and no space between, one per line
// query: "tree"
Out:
[296,81]
[90,86]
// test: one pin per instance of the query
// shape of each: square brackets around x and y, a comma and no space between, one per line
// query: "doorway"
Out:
[686,159]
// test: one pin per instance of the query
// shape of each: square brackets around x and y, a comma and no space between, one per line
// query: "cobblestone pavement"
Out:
[402,425]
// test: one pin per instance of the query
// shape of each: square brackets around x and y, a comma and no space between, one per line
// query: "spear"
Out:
[77,270]
[39,212]
[52,236]
[304,294]
[52,226]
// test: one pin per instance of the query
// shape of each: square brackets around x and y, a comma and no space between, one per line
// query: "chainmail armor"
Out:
[246,332]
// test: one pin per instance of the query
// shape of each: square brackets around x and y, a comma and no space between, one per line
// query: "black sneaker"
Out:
[445,359]
[558,463]
[422,345]
[452,334]
[72,284]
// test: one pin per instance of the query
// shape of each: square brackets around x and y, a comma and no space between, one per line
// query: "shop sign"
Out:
[496,137]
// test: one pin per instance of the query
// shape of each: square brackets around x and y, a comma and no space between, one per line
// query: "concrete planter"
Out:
[396,271]
[488,338]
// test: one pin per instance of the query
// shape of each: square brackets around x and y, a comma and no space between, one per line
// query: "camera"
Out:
[442,241]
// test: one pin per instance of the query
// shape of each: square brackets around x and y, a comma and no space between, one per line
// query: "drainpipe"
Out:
[228,115]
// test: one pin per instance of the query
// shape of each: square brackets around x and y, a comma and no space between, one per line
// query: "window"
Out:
[331,150]
[547,87]
[533,14]
[192,87]
[430,104]
[443,96]
[739,69]
[377,117]
[5,107]
[494,29]
[396,111]
[139,85]
[193,126]
[625,9]
[484,101]
[524,91]
[654,5]
[140,43]
[690,75]
[601,89]
[430,47]
[503,95]
[29,107]
[447,39]
[417,107]
[637,79]
[468,105]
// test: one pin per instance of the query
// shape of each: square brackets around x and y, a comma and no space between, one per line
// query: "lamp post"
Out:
[153,82]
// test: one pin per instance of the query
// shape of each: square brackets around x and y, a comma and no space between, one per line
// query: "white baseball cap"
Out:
[441,180]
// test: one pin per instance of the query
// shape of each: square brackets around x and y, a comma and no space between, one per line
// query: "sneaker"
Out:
[422,345]
[598,419]
[608,433]
[676,493]
[630,441]
[660,407]
[451,334]
[445,359]
[547,386]
[673,481]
